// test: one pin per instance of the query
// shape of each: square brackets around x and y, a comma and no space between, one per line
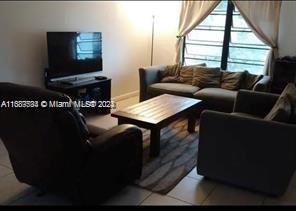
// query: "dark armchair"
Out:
[243,149]
[53,148]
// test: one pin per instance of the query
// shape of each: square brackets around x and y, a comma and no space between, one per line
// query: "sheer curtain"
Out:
[192,14]
[263,18]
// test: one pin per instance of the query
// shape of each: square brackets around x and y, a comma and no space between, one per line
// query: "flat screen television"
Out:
[73,53]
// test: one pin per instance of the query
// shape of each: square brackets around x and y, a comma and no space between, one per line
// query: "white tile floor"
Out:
[192,190]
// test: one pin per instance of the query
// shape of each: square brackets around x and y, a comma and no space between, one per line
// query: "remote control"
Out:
[100,77]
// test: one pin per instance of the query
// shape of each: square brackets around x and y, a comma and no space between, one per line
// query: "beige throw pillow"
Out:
[205,77]
[281,111]
[171,79]
[171,70]
[290,91]
[170,74]
[231,80]
[186,73]
[249,80]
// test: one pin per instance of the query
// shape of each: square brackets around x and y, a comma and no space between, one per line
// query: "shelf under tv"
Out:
[87,87]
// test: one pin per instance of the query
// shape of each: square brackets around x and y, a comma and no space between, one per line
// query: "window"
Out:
[224,40]
[87,45]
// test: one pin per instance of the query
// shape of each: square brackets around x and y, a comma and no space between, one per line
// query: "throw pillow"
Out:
[231,80]
[186,73]
[204,77]
[170,71]
[171,79]
[290,91]
[250,80]
[281,111]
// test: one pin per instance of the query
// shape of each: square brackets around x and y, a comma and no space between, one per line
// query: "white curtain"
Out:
[192,14]
[263,18]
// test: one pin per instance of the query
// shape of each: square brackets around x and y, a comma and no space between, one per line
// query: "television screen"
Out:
[73,53]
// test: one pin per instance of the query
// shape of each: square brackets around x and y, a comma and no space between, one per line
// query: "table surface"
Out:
[158,109]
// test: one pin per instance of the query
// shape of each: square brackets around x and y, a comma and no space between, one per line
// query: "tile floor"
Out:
[192,190]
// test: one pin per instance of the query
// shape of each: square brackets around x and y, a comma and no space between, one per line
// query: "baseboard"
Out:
[125,96]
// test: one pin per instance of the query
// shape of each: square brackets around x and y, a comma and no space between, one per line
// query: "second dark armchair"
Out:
[243,149]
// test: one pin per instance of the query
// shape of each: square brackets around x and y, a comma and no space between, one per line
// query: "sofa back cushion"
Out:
[205,77]
[250,80]
[186,73]
[50,143]
[231,80]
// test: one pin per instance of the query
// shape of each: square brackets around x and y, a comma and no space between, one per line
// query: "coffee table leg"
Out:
[191,124]
[154,142]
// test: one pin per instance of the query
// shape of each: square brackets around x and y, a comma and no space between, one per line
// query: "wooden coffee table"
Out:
[157,113]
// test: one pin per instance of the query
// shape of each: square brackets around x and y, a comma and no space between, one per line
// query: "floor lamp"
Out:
[152,40]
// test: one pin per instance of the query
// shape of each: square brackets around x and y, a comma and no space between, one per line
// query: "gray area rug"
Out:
[178,154]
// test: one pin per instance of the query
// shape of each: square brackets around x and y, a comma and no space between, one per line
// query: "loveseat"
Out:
[216,98]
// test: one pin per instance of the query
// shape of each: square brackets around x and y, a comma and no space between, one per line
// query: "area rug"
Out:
[178,154]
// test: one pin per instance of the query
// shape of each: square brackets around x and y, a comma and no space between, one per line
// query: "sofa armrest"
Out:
[256,103]
[263,85]
[94,131]
[148,76]
[248,152]
[114,137]
[114,160]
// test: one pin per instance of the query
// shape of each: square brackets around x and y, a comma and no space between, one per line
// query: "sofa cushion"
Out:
[231,80]
[172,88]
[249,80]
[217,97]
[206,77]
[186,73]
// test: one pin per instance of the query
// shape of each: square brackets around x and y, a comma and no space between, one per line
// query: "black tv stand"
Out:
[89,89]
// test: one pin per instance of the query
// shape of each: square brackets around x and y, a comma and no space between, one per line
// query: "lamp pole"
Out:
[152,40]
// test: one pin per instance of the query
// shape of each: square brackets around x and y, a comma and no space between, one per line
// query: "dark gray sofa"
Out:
[213,98]
[245,150]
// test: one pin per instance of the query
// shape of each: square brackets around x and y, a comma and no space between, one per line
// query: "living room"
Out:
[183,103]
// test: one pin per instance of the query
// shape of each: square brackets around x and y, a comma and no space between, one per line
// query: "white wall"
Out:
[287,31]
[125,26]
